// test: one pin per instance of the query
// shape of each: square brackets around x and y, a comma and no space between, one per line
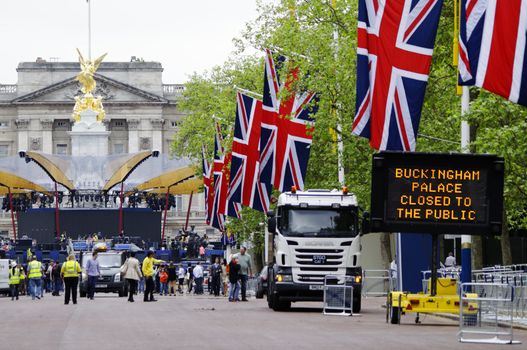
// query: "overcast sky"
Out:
[185,36]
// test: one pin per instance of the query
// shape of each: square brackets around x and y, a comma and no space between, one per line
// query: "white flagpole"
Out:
[89,29]
[340,144]
[466,240]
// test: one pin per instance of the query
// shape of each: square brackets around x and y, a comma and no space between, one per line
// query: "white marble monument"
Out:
[89,136]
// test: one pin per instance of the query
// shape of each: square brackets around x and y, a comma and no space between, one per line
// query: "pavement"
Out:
[189,321]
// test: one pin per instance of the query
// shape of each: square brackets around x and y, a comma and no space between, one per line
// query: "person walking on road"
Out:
[55,277]
[244,260]
[70,274]
[181,278]
[216,277]
[190,278]
[234,277]
[163,281]
[148,272]
[198,277]
[172,278]
[132,274]
[225,276]
[93,271]
[34,270]
[14,280]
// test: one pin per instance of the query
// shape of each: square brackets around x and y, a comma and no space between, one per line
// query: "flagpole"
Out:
[89,29]
[340,144]
[466,240]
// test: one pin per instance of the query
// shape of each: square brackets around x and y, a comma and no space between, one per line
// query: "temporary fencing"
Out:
[338,295]
[377,282]
[486,313]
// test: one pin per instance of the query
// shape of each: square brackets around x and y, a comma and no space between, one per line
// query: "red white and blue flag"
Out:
[245,187]
[220,192]
[208,187]
[287,131]
[394,54]
[492,47]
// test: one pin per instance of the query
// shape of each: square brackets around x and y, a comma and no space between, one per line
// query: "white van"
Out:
[5,264]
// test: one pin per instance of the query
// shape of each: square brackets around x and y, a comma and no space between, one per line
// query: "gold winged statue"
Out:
[85,78]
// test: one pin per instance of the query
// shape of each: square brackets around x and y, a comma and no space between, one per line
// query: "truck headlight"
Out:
[117,277]
[284,278]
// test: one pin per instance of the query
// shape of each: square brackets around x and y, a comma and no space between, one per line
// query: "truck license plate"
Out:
[101,286]
[316,287]
[319,259]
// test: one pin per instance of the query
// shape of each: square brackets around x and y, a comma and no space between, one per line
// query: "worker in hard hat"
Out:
[34,274]
[70,274]
[14,279]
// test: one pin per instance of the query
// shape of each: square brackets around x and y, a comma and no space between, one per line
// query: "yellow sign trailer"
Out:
[446,300]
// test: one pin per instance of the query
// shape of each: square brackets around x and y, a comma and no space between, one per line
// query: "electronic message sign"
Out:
[437,193]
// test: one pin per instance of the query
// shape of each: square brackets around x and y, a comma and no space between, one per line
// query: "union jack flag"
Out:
[220,206]
[208,187]
[286,132]
[492,47]
[394,53]
[245,164]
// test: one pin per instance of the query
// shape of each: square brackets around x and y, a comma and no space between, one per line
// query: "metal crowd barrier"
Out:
[486,315]
[338,295]
[377,282]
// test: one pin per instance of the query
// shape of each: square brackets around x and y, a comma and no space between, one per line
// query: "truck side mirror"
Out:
[365,225]
[271,222]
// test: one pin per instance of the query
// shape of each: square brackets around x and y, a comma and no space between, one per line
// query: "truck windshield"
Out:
[319,222]
[105,260]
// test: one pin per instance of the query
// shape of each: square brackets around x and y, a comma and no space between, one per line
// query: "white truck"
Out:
[315,233]
[5,265]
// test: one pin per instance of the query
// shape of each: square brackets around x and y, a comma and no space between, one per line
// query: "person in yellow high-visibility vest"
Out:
[70,274]
[14,280]
[34,274]
[148,273]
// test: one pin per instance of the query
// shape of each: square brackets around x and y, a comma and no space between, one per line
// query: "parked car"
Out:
[261,283]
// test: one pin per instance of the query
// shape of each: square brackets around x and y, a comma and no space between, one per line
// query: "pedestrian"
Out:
[49,284]
[70,274]
[234,277]
[14,280]
[190,278]
[172,278]
[34,268]
[225,276]
[198,277]
[216,277]
[93,271]
[57,281]
[181,278]
[132,274]
[148,273]
[202,252]
[22,290]
[450,260]
[244,260]
[163,280]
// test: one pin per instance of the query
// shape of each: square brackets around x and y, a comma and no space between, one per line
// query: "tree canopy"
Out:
[321,40]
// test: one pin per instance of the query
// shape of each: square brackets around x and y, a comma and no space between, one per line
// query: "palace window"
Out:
[118,148]
[62,148]
[4,124]
[4,150]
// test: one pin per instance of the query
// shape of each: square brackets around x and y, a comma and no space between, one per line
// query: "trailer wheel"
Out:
[396,315]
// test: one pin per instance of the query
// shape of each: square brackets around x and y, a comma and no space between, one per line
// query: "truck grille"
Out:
[310,273]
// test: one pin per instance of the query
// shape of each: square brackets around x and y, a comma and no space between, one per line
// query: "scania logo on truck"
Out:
[437,193]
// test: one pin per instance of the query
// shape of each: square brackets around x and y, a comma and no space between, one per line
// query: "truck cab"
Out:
[315,234]
[110,280]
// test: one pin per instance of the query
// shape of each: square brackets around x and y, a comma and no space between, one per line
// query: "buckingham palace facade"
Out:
[141,114]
